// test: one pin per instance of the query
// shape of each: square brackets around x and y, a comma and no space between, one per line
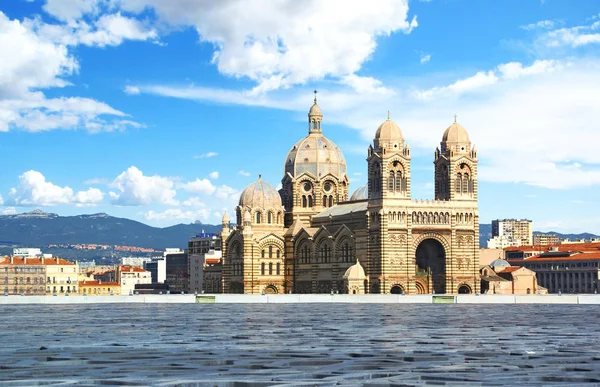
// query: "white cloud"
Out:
[225,192]
[206,155]
[425,58]
[71,9]
[243,173]
[32,62]
[542,24]
[572,36]
[1,200]
[515,70]
[131,90]
[135,189]
[365,85]
[281,44]
[193,202]
[213,175]
[34,190]
[199,186]
[9,211]
[177,214]
[97,181]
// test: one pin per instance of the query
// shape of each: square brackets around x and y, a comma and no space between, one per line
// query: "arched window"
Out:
[465,186]
[269,217]
[330,200]
[310,201]
[278,268]
[458,183]
[258,218]
[398,184]
[391,180]
[262,253]
[270,268]
[324,200]
[270,251]
[262,268]
[278,253]
[304,203]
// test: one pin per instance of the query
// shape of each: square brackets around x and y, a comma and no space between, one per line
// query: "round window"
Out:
[307,187]
[327,187]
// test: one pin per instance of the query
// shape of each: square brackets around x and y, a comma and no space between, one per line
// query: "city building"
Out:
[545,239]
[99,288]
[60,275]
[135,261]
[27,252]
[487,256]
[499,277]
[172,250]
[177,272]
[129,276]
[566,268]
[204,252]
[518,230]
[502,242]
[304,238]
[158,269]
[22,275]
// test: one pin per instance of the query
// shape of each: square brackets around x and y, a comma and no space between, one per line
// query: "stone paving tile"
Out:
[299,344]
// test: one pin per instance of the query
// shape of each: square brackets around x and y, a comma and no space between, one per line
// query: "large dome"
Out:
[260,194]
[362,193]
[456,134]
[317,155]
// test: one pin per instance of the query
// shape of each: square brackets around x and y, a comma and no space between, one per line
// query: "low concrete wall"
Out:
[308,298]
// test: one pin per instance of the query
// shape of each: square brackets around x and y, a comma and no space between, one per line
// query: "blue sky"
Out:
[164,110]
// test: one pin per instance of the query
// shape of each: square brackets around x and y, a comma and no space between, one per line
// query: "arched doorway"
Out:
[464,289]
[431,261]
[271,289]
[396,289]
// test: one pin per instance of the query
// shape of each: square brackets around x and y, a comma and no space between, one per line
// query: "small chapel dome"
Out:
[260,194]
[225,218]
[456,134]
[499,263]
[362,193]
[355,271]
[315,110]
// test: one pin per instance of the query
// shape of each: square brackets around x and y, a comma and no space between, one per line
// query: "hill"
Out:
[39,228]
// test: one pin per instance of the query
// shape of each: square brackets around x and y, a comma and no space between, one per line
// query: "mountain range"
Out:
[38,228]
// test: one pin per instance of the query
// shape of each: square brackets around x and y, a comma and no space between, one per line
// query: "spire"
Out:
[455,118]
[315,96]
[388,114]
[315,116]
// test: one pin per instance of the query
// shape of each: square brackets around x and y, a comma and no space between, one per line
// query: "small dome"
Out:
[362,193]
[315,110]
[225,218]
[456,134]
[388,132]
[355,271]
[499,263]
[260,194]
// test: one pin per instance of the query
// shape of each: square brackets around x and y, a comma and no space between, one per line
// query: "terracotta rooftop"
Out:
[134,269]
[595,246]
[575,257]
[510,269]
[34,261]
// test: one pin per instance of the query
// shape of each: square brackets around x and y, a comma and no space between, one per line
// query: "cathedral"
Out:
[311,236]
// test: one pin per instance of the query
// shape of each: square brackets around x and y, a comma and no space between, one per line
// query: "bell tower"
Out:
[455,166]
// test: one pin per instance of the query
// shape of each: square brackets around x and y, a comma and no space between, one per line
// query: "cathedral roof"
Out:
[355,271]
[344,209]
[389,131]
[362,193]
[317,155]
[260,194]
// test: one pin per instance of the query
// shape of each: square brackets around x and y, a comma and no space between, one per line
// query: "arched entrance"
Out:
[431,262]
[271,289]
[464,289]
[396,289]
